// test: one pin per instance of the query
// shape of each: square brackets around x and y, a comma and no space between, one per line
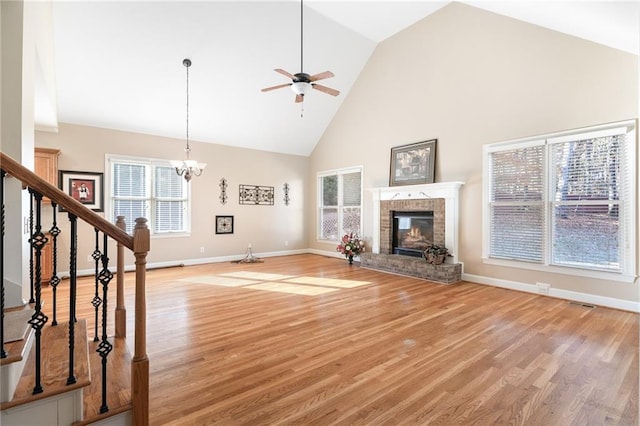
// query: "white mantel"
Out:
[450,191]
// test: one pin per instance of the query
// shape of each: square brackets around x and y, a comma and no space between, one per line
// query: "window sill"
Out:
[171,235]
[602,275]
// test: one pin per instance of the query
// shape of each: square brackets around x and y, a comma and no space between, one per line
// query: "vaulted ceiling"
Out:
[119,64]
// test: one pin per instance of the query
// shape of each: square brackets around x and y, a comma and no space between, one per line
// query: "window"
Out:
[151,189]
[563,200]
[339,203]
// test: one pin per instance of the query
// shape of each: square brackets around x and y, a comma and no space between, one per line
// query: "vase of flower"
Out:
[350,246]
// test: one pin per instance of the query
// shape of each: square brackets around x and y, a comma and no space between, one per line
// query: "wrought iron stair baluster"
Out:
[104,348]
[55,279]
[38,240]
[96,301]
[73,278]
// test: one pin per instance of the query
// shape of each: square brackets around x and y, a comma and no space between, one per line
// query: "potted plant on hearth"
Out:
[350,246]
[435,254]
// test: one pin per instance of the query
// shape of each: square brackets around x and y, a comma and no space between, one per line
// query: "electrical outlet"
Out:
[543,288]
[286,243]
[201,249]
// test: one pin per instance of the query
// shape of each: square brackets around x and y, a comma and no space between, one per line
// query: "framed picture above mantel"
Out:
[413,164]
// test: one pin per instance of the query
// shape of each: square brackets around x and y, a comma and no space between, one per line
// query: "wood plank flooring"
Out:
[310,340]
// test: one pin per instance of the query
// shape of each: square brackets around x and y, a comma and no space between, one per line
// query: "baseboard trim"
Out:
[609,302]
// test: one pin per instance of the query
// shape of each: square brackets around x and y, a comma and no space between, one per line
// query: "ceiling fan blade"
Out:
[321,76]
[285,73]
[299,98]
[267,89]
[325,89]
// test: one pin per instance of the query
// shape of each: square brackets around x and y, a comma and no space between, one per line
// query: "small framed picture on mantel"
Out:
[413,164]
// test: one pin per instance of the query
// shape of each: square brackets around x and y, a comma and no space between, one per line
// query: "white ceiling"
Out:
[119,64]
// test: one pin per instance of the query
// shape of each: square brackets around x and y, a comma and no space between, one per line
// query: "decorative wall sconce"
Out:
[287,199]
[223,191]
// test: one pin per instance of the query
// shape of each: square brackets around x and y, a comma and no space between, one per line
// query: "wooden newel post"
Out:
[121,310]
[140,362]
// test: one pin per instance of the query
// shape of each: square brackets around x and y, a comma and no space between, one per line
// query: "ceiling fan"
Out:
[302,82]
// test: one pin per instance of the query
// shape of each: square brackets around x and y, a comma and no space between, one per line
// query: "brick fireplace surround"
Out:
[442,199]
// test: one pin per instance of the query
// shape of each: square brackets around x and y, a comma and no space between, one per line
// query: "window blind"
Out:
[170,198]
[516,204]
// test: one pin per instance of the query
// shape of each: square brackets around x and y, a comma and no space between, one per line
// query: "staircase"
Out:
[54,374]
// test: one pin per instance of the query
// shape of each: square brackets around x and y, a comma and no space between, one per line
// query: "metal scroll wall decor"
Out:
[287,199]
[256,195]
[223,191]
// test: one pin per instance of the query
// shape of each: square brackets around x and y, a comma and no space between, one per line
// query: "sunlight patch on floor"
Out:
[306,290]
[328,282]
[306,286]
[257,276]
[218,280]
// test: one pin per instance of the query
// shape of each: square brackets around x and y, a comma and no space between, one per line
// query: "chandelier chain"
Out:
[188,148]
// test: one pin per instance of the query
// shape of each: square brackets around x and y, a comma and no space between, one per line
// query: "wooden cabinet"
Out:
[46,166]
[46,259]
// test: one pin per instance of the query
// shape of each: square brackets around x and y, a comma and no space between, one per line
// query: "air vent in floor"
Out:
[585,305]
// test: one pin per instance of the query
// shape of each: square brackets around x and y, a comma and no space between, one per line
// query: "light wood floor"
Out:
[309,340]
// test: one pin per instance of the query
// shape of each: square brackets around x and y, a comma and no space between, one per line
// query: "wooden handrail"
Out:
[30,179]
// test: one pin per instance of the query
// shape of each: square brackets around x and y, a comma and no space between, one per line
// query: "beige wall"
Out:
[265,227]
[469,77]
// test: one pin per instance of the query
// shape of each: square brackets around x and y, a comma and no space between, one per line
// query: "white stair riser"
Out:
[11,372]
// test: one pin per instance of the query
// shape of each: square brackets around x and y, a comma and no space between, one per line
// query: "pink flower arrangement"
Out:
[350,245]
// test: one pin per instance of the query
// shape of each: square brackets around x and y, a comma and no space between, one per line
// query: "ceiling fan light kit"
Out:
[300,88]
[302,82]
[188,168]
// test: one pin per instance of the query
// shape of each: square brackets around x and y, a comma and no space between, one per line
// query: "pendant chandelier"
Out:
[188,167]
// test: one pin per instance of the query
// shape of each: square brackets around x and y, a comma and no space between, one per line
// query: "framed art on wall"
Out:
[256,195]
[413,164]
[85,187]
[224,224]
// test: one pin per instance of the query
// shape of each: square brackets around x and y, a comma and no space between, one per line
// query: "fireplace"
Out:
[422,214]
[439,198]
[412,232]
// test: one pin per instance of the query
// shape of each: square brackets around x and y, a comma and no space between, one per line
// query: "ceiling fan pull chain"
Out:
[301,109]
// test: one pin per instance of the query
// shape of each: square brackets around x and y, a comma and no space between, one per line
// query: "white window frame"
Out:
[339,173]
[150,164]
[628,272]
